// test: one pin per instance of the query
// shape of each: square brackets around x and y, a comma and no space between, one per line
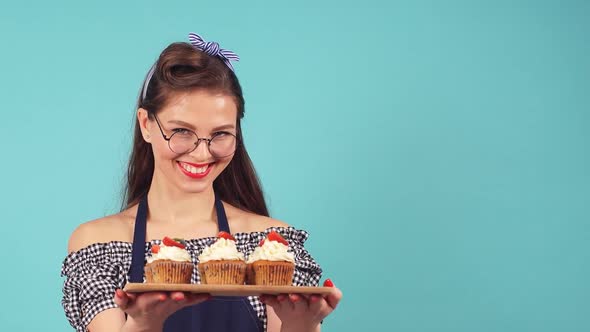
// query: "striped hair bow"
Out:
[212,48]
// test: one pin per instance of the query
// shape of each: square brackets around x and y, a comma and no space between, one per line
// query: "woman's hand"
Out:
[303,313]
[148,311]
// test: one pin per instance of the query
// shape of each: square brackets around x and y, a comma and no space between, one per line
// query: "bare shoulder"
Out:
[247,222]
[116,227]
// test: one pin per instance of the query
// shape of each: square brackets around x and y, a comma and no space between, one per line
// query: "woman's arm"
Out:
[146,312]
[86,234]
[108,320]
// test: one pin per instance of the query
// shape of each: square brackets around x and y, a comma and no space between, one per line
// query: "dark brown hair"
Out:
[182,68]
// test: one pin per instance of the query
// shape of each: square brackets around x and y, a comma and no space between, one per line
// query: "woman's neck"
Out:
[167,205]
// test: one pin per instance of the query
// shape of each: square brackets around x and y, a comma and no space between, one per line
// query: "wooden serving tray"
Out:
[225,290]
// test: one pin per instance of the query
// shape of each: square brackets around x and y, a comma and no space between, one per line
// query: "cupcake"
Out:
[221,263]
[169,263]
[271,264]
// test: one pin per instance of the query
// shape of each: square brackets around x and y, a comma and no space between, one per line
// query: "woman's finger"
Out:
[299,302]
[148,299]
[177,296]
[316,303]
[334,298]
[131,296]
[125,300]
[121,299]
[285,302]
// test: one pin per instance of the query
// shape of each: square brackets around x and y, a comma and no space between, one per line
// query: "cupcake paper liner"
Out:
[270,273]
[169,272]
[220,272]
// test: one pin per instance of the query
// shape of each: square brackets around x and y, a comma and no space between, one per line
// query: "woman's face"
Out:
[204,113]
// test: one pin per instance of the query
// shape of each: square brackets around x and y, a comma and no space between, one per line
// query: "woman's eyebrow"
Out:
[188,125]
[227,126]
[181,123]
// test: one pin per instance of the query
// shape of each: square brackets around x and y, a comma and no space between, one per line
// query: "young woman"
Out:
[189,176]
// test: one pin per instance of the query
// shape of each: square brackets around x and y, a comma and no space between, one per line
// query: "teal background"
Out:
[438,152]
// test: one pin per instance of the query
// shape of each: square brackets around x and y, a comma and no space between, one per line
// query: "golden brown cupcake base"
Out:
[270,273]
[168,272]
[223,272]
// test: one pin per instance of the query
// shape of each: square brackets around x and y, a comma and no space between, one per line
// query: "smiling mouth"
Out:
[194,170]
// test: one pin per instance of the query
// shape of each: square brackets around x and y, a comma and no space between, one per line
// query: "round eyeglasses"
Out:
[221,144]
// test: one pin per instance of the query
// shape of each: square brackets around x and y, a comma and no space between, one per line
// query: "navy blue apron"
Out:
[219,314]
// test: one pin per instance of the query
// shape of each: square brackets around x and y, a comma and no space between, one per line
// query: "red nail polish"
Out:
[119,293]
[314,299]
[328,283]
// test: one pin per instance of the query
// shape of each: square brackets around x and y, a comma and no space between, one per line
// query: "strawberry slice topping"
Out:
[155,249]
[225,235]
[172,243]
[261,243]
[274,236]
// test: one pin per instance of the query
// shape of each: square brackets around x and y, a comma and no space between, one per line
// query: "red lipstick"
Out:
[193,175]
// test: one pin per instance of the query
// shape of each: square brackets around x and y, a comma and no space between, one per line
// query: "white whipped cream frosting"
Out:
[171,253]
[222,249]
[271,251]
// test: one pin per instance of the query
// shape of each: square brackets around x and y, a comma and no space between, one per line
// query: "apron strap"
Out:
[222,223]
[138,250]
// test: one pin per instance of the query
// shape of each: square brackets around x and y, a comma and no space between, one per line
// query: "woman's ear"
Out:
[144,124]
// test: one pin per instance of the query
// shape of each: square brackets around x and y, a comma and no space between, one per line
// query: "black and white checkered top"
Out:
[94,273]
